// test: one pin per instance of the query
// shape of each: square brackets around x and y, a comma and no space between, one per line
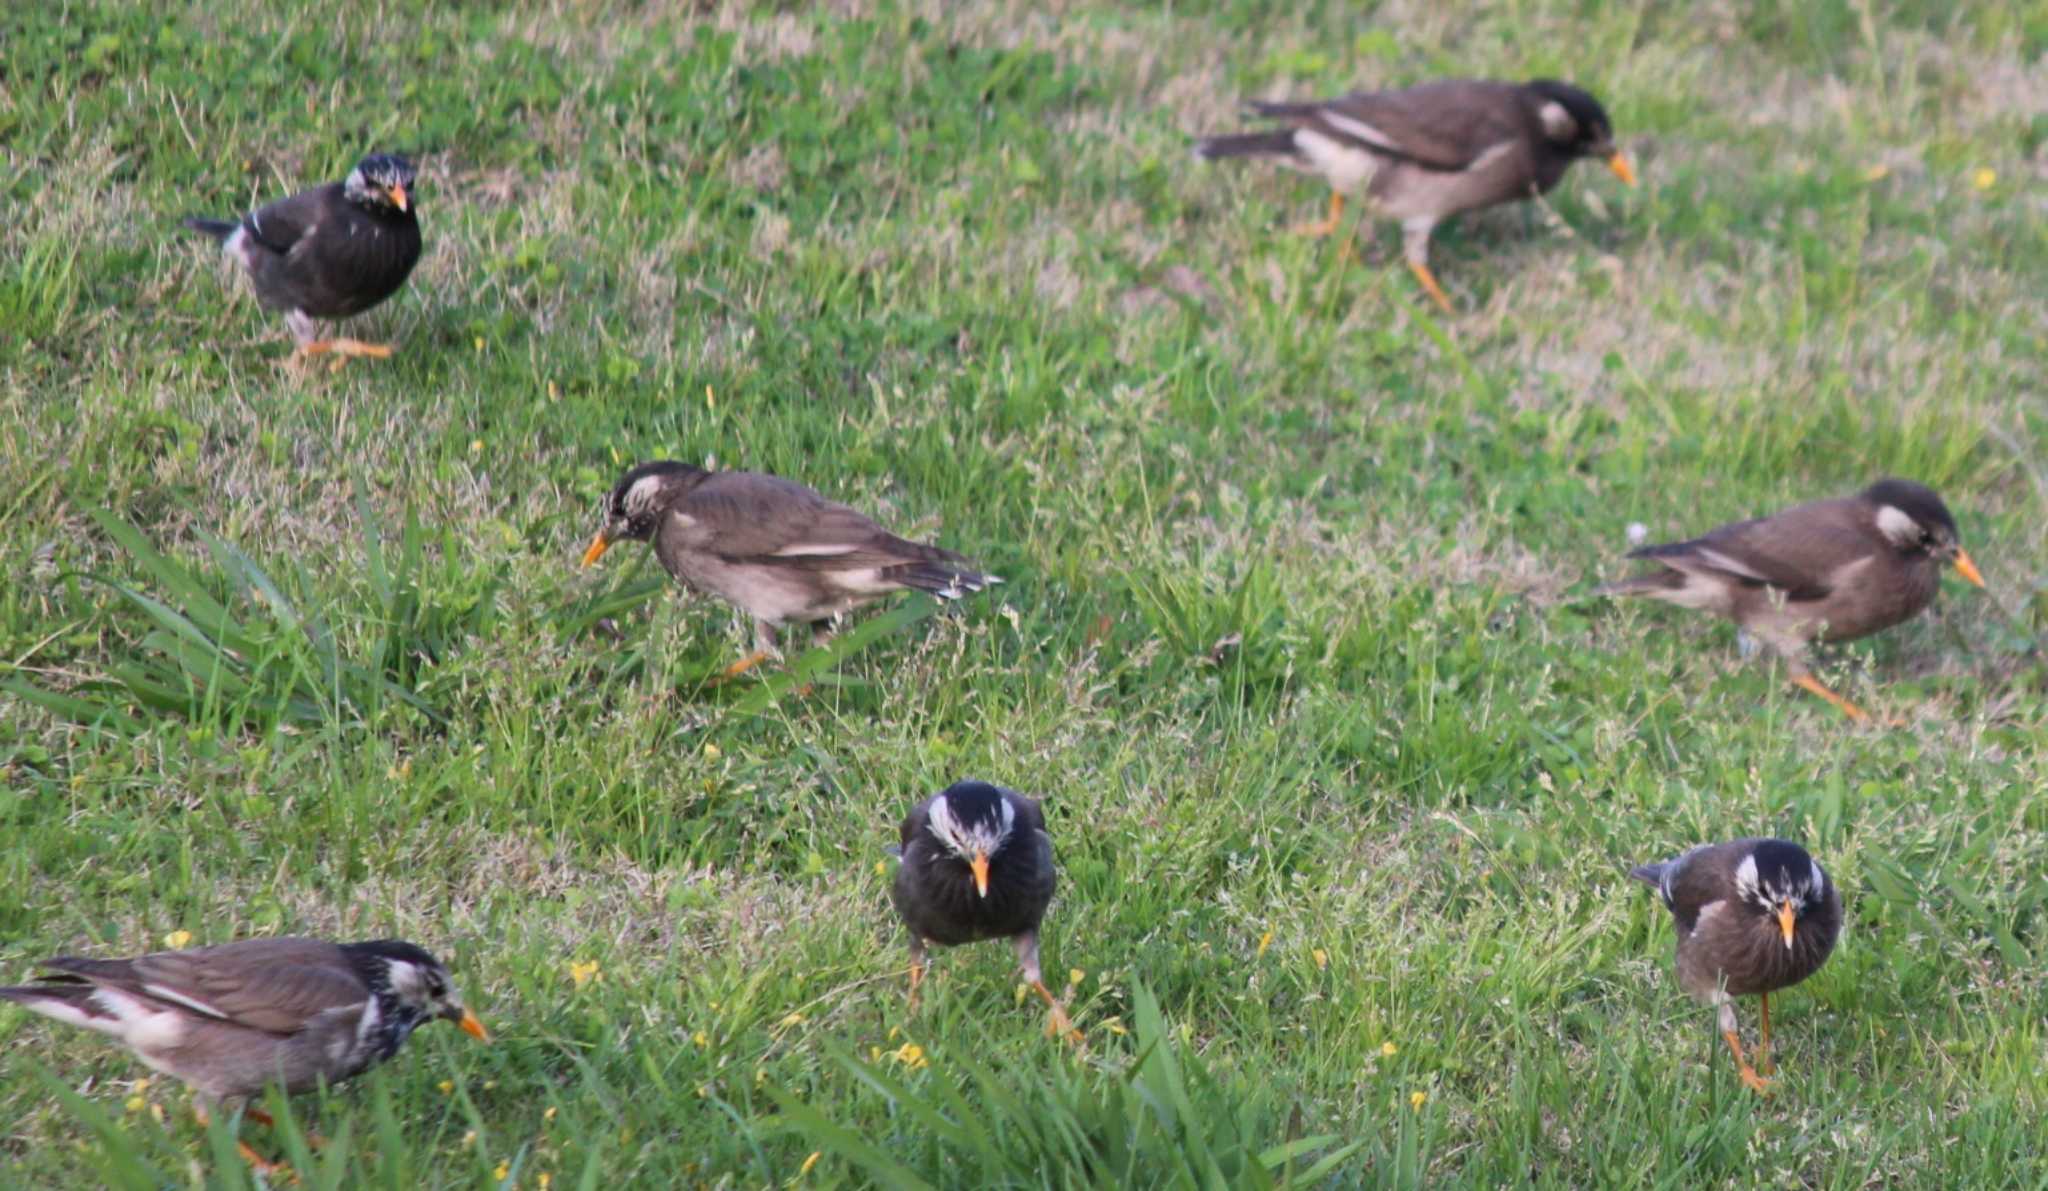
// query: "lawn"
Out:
[1344,769]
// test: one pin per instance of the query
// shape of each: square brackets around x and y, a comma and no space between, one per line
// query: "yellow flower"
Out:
[701,1038]
[136,1104]
[447,1087]
[1417,1099]
[911,1055]
[1322,958]
[792,1019]
[503,1169]
[476,446]
[711,752]
[874,1054]
[1075,976]
[479,343]
[711,402]
[1984,179]
[881,868]
[542,1180]
[583,974]
[1115,1026]
[1265,941]
[815,1154]
[1389,1049]
[554,394]
[177,939]
[548,1115]
[893,1031]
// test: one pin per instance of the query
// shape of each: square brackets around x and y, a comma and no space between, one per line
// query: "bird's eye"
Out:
[437,990]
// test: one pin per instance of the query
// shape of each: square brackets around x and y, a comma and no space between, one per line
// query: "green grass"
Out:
[1344,775]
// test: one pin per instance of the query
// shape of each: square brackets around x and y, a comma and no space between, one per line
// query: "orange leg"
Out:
[1327,225]
[1429,285]
[1809,682]
[1756,1083]
[745,664]
[917,966]
[346,348]
[1763,1046]
[256,1161]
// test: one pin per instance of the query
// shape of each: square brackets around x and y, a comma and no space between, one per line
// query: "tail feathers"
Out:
[1282,110]
[1278,143]
[67,998]
[219,229]
[1661,579]
[946,581]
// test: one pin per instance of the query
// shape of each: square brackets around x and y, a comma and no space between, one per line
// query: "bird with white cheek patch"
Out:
[1753,916]
[976,863]
[1832,570]
[234,1019]
[772,548]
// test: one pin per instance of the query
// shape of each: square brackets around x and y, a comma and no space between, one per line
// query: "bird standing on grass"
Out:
[329,252]
[977,864]
[233,1019]
[775,549]
[1833,570]
[1753,916]
[1426,153]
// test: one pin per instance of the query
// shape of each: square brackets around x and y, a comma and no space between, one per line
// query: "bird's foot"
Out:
[1057,1023]
[1810,683]
[1327,225]
[1429,285]
[743,665]
[1750,1079]
[345,349]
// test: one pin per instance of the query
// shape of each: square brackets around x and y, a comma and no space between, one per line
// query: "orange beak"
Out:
[1622,169]
[398,196]
[980,866]
[1968,569]
[1785,922]
[598,545]
[472,1027]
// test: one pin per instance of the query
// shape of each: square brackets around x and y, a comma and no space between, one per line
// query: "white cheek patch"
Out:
[641,495]
[1745,876]
[1558,124]
[1896,525]
[1820,879]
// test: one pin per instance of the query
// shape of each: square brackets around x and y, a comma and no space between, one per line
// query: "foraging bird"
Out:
[1833,570]
[329,252]
[775,549]
[1753,916]
[1423,154]
[232,1019]
[977,864]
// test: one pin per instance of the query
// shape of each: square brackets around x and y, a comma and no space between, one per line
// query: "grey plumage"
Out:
[1831,570]
[976,863]
[233,1019]
[771,547]
[1752,916]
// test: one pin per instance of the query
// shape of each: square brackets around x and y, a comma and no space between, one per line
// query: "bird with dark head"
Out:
[1753,916]
[772,548]
[234,1019]
[1832,570]
[1423,154]
[976,863]
[329,252]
